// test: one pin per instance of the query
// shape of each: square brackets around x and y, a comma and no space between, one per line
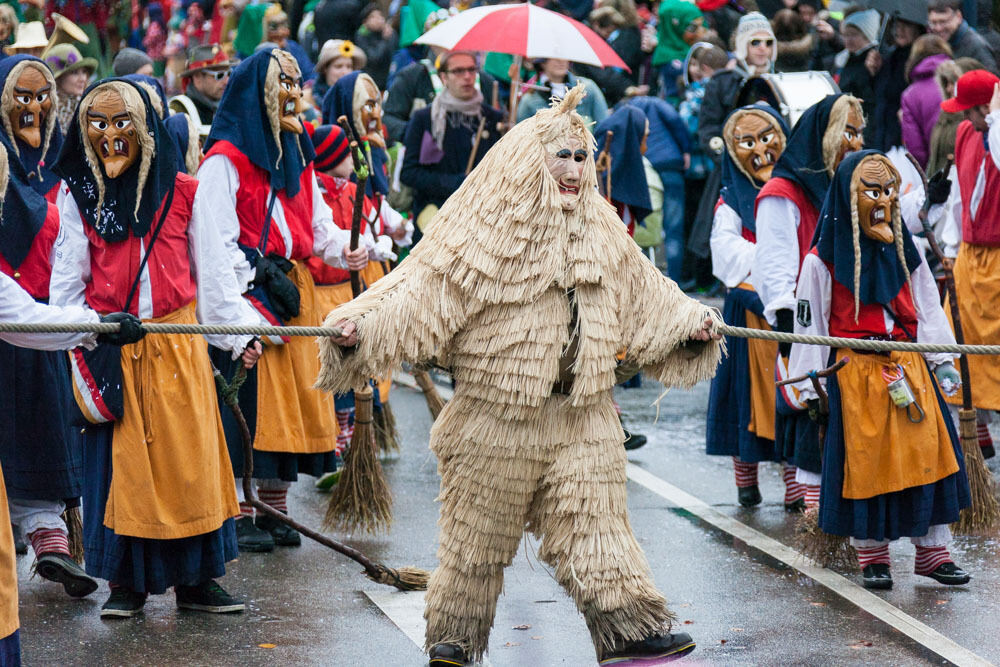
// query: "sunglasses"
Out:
[218,75]
[762,42]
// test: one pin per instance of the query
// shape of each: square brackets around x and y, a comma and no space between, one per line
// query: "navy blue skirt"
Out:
[137,563]
[906,513]
[10,650]
[39,447]
[726,432]
[266,465]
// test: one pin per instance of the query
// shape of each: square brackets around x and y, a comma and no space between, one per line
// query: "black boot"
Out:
[876,576]
[447,655]
[20,546]
[282,534]
[250,538]
[796,506]
[62,569]
[949,574]
[633,440]
[660,647]
[749,496]
[988,451]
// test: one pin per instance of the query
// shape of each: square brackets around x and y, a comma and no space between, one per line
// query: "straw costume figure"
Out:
[892,463]
[787,211]
[741,403]
[527,289]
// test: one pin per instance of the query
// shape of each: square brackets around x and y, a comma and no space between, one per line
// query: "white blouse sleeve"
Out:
[932,324]
[732,255]
[17,306]
[813,318]
[776,261]
[218,183]
[70,258]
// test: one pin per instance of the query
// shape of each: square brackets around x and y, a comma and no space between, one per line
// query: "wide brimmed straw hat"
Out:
[30,35]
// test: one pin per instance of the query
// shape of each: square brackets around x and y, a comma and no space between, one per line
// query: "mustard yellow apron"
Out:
[885,451]
[9,621]
[171,475]
[293,417]
[762,356]
[977,282]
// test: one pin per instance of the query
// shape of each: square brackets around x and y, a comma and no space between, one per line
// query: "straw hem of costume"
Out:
[141,564]
[727,431]
[907,513]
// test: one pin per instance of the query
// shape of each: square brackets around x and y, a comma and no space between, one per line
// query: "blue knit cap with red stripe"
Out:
[331,146]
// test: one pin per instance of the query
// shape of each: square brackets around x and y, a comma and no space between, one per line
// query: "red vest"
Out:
[34,272]
[251,205]
[113,266]
[808,215]
[341,203]
[970,157]
[871,316]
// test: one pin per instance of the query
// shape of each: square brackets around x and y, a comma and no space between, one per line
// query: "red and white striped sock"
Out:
[811,494]
[746,473]
[246,509]
[869,555]
[793,490]
[929,558]
[49,541]
[345,420]
[983,431]
[276,498]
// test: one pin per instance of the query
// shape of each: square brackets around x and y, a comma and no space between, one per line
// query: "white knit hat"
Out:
[868,22]
[751,24]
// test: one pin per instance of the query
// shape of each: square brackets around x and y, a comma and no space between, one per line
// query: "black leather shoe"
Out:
[749,496]
[250,538]
[633,440]
[796,506]
[662,648]
[988,451]
[62,569]
[447,655]
[949,574]
[876,576]
[282,534]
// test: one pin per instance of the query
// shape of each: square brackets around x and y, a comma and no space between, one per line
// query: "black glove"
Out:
[785,323]
[938,188]
[280,290]
[815,414]
[130,330]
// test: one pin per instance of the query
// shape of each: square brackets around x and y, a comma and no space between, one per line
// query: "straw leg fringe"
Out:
[561,475]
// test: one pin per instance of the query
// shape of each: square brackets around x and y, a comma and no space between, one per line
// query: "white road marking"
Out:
[406,609]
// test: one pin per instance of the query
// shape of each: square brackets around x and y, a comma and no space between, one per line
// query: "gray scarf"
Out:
[445,103]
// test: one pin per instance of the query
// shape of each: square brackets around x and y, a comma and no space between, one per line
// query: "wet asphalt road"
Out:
[308,605]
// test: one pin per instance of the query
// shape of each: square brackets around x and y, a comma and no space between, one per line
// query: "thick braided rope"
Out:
[725,329]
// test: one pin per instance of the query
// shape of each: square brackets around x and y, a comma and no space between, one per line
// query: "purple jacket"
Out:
[920,106]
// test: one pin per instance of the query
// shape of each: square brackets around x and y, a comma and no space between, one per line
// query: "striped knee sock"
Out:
[870,555]
[746,473]
[276,498]
[811,492]
[983,431]
[345,420]
[246,509]
[49,541]
[793,490]
[929,558]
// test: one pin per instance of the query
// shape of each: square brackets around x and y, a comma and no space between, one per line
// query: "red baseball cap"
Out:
[972,89]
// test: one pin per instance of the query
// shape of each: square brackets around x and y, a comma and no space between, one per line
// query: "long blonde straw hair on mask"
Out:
[897,228]
[7,103]
[835,129]
[272,86]
[137,114]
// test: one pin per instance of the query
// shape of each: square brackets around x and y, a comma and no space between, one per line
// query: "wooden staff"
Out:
[603,164]
[496,95]
[824,400]
[983,517]
[475,145]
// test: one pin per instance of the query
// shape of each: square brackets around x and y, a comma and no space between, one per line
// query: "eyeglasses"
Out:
[218,75]
[460,71]
[762,42]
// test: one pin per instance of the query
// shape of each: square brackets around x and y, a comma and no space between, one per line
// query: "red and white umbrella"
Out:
[523,30]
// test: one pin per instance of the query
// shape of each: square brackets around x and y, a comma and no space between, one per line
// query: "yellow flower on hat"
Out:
[347,49]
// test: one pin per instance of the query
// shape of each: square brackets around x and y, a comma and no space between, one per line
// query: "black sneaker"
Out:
[250,538]
[796,506]
[20,546]
[447,655]
[988,451]
[949,574]
[749,496]
[62,569]
[633,440]
[208,596]
[662,648]
[123,603]
[282,534]
[876,576]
